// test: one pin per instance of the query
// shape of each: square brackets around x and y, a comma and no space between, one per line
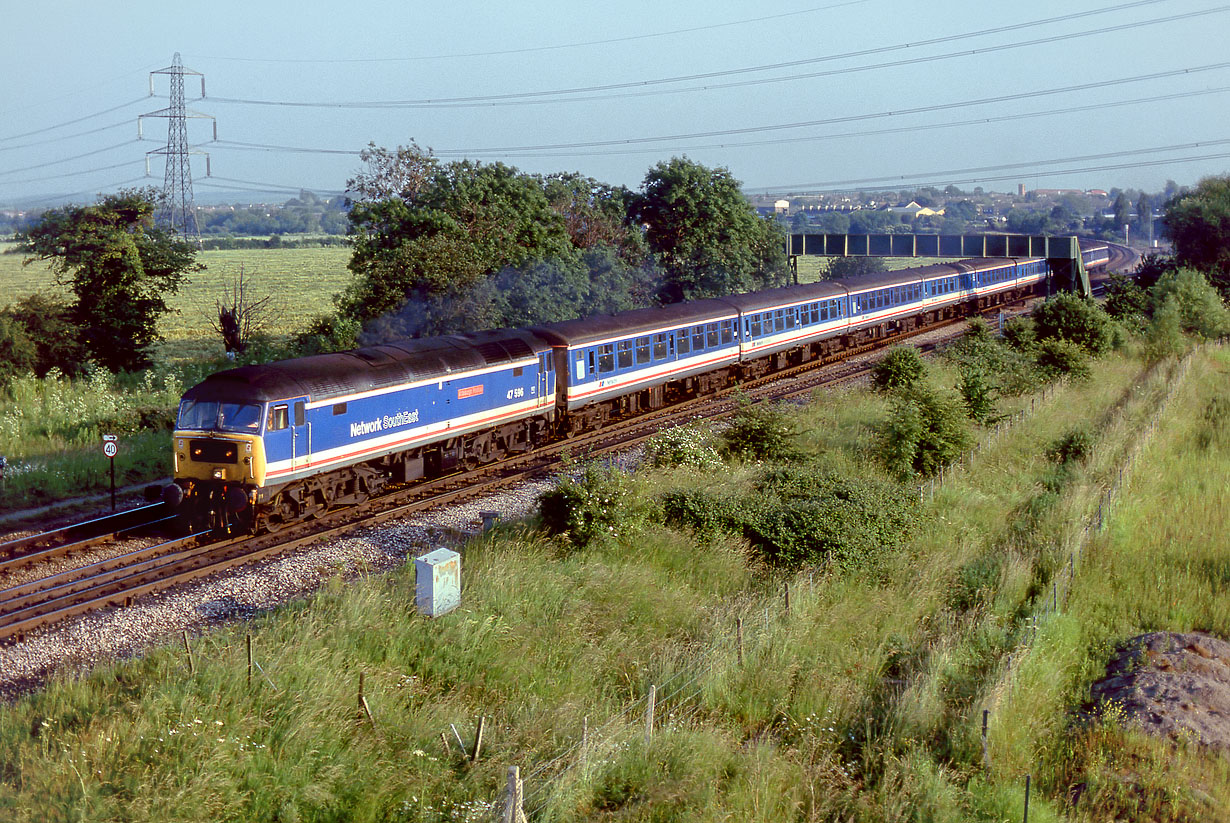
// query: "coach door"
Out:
[544,382]
[287,444]
[301,440]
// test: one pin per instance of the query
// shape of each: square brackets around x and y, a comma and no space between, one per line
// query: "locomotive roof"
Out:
[332,375]
[634,321]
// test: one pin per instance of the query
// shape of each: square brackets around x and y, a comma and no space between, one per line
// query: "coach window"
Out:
[591,361]
[642,350]
[684,341]
[754,331]
[711,335]
[606,358]
[790,317]
[624,350]
[698,337]
[779,320]
[659,347]
[728,331]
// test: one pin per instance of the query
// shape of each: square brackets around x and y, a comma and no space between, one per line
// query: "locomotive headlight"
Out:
[247,461]
[219,474]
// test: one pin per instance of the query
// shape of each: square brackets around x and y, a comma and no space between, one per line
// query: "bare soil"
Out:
[1172,685]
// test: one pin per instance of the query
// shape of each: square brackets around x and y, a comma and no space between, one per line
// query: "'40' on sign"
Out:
[110,447]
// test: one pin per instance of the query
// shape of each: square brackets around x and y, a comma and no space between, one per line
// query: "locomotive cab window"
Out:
[279,418]
[299,412]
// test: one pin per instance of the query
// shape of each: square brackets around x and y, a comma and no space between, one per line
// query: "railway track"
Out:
[116,581]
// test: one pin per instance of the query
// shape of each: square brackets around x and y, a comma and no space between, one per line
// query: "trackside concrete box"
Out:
[437,582]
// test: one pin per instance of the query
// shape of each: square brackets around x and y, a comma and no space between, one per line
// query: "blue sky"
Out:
[802,95]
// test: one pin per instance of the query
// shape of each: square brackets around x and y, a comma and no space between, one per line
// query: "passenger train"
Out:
[260,446]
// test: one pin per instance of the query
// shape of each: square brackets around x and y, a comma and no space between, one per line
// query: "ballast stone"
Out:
[437,582]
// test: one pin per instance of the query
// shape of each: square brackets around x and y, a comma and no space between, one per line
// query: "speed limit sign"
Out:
[110,447]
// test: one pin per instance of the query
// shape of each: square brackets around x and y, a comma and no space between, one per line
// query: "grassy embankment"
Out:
[863,702]
[50,429]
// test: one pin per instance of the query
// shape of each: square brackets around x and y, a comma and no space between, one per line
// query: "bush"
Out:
[926,429]
[1074,319]
[1164,336]
[978,393]
[703,512]
[1060,358]
[328,333]
[901,368]
[1019,333]
[759,431]
[1073,447]
[693,445]
[1125,298]
[812,516]
[600,504]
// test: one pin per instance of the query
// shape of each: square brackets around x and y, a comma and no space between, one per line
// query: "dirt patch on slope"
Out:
[1172,685]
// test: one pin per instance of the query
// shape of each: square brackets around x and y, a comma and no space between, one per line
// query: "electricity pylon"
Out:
[177,210]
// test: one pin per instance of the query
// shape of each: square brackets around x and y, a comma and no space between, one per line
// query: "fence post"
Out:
[787,598]
[1026,820]
[649,706]
[986,754]
[249,637]
[478,739]
[188,649]
[739,639]
[513,813]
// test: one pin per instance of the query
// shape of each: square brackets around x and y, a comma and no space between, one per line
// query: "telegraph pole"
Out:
[177,210]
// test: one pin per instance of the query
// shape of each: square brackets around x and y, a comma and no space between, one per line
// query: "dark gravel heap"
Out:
[1172,685]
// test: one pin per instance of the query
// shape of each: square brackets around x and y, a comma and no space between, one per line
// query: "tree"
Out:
[840,268]
[467,221]
[402,172]
[1144,217]
[119,267]
[1123,211]
[47,323]
[595,214]
[1076,320]
[1201,310]
[708,238]
[1198,224]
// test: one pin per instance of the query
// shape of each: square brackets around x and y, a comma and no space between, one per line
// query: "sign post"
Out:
[111,448]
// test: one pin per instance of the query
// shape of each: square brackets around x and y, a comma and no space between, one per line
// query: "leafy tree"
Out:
[1144,216]
[119,267]
[17,352]
[1201,310]
[1198,223]
[446,233]
[1123,211]
[47,323]
[926,429]
[708,238]
[595,214]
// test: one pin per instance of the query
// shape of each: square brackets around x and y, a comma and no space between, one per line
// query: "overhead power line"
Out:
[72,122]
[531,49]
[907,181]
[1100,84]
[66,159]
[62,137]
[71,173]
[618,90]
[1030,164]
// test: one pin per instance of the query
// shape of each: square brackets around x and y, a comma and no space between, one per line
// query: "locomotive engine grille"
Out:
[213,451]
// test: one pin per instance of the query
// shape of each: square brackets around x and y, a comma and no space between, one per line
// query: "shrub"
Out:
[1073,447]
[703,511]
[693,445]
[926,429]
[759,431]
[1125,298]
[811,516]
[1019,333]
[599,504]
[901,368]
[328,333]
[1074,319]
[1059,358]
[978,393]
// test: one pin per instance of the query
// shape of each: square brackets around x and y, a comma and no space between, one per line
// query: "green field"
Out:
[302,281]
[812,268]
